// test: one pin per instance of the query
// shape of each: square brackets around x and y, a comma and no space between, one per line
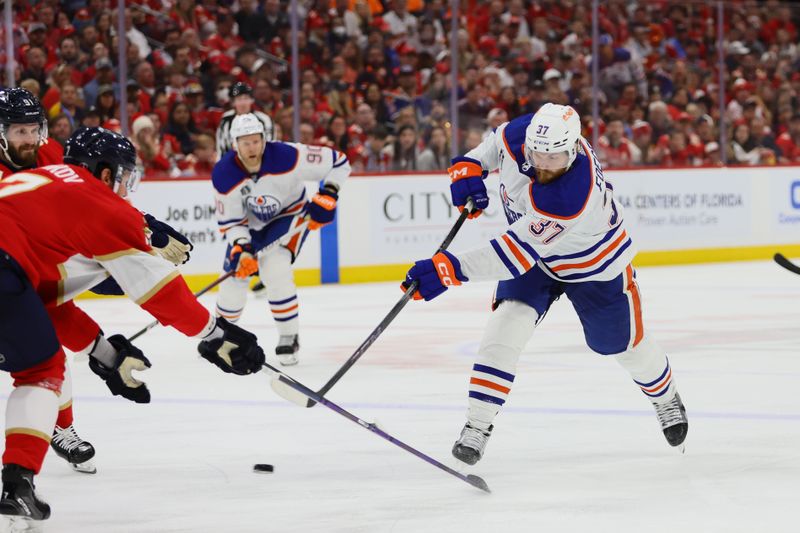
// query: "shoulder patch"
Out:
[279,158]
[566,197]
[226,174]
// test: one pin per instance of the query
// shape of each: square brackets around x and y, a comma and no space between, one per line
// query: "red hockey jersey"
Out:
[69,231]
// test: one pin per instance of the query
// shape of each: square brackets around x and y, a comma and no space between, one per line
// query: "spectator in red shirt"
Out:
[789,141]
[614,150]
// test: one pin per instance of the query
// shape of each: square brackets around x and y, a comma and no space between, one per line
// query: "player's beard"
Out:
[24,156]
[546,176]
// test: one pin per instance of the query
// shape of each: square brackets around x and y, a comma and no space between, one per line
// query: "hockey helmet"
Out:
[239,88]
[247,124]
[19,106]
[96,149]
[551,139]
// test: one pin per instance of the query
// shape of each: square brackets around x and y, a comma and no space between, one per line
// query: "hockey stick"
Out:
[301,390]
[280,387]
[198,294]
[785,263]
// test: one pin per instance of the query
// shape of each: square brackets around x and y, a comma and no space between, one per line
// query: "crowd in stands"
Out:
[375,75]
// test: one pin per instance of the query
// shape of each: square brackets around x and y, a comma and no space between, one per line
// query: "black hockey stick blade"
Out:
[785,263]
[300,389]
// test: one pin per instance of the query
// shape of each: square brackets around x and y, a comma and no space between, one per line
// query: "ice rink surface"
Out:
[577,448]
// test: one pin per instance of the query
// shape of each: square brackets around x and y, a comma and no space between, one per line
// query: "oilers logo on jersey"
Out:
[511,215]
[264,207]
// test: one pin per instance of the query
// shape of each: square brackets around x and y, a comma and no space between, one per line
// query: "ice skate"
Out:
[19,505]
[470,445]
[672,417]
[73,449]
[288,346]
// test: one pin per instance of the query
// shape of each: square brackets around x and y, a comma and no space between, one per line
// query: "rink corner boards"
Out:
[380,273]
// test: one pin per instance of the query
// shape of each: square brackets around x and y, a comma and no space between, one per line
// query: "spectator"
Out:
[60,128]
[92,118]
[106,103]
[181,126]
[375,156]
[104,77]
[614,150]
[471,140]
[495,117]
[204,157]
[404,151]
[437,154]
[250,21]
[148,148]
[68,105]
[307,134]
[643,138]
[743,149]
[472,109]
[789,141]
[35,61]
[400,21]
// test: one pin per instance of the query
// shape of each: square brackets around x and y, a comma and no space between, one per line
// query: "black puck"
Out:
[263,468]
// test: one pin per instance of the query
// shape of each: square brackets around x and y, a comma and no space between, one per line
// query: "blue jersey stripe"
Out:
[285,319]
[601,268]
[586,252]
[509,265]
[493,371]
[486,398]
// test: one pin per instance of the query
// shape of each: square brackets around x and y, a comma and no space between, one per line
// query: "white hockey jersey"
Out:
[571,228]
[250,204]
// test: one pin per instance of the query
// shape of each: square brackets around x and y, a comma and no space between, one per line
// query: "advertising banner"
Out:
[671,209]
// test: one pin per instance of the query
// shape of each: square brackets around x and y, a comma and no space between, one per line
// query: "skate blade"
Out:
[86,467]
[19,524]
[288,360]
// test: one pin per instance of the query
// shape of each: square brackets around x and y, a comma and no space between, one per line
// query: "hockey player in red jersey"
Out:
[24,145]
[65,228]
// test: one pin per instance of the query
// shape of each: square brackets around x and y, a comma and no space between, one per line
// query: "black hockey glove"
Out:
[114,360]
[233,349]
[170,244]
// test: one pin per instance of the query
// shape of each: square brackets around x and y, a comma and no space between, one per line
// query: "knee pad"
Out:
[509,329]
[646,356]
[275,266]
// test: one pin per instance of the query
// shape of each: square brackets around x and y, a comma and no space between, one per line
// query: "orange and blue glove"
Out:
[322,207]
[466,180]
[242,260]
[434,275]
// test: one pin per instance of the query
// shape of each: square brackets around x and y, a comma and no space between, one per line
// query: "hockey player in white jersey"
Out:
[261,197]
[566,235]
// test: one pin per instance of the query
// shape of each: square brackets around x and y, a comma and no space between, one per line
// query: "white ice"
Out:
[577,448]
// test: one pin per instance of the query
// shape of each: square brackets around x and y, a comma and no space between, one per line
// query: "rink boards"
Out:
[385,222]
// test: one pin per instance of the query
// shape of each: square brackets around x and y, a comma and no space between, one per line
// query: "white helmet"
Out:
[554,130]
[247,124]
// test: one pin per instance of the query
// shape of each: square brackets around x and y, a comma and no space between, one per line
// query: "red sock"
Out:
[26,450]
[64,416]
